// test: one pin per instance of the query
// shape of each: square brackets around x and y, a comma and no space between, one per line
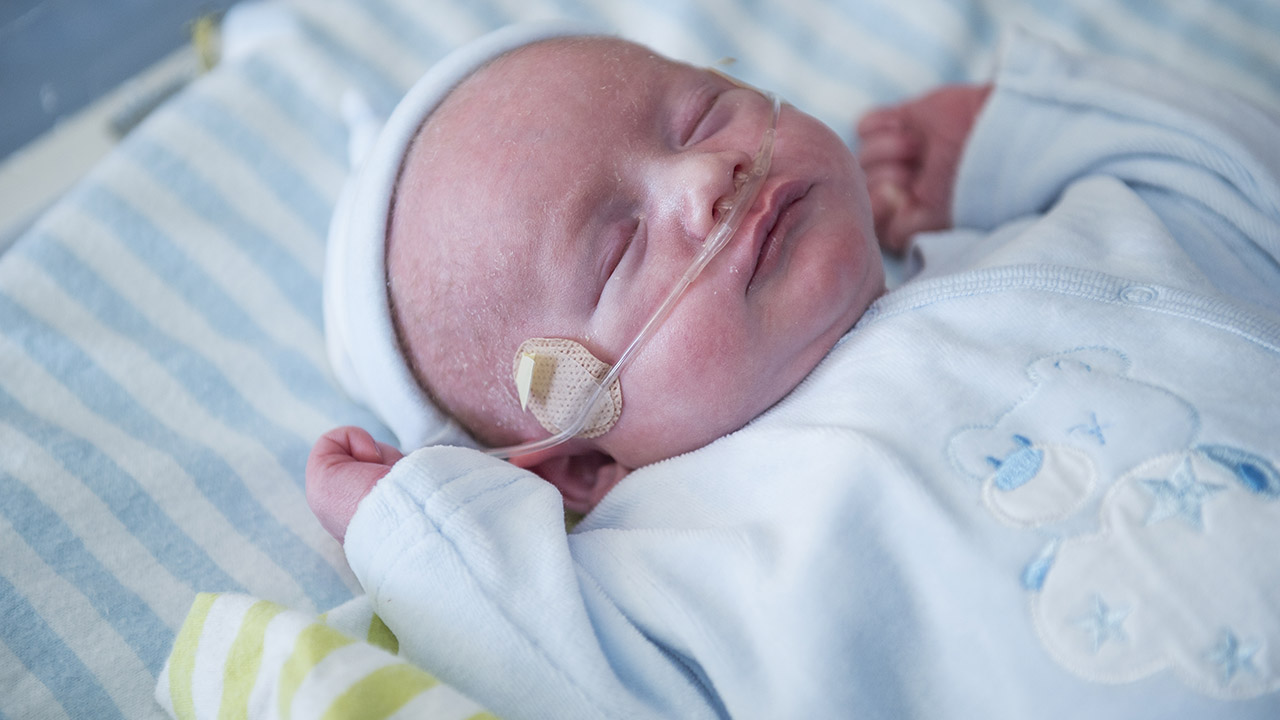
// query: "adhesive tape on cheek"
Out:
[555,375]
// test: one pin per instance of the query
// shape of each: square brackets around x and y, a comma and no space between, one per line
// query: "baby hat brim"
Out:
[359,334]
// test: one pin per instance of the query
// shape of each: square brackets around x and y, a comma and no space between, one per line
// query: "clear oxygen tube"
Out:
[719,236]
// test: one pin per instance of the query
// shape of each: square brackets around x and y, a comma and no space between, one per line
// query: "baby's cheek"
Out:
[705,388]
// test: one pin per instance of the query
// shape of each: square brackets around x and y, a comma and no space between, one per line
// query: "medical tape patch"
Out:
[556,376]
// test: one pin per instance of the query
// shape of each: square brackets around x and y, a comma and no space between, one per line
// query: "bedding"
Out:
[162,367]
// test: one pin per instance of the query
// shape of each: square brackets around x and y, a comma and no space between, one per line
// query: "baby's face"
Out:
[562,191]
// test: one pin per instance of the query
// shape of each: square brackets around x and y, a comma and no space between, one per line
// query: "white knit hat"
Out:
[359,333]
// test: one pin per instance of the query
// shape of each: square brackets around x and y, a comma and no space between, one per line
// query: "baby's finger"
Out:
[343,445]
[887,201]
[880,119]
[390,454]
[889,146]
[911,219]
[889,173]
[329,449]
[361,445]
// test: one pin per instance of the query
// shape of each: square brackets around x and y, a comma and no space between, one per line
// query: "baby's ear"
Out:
[582,478]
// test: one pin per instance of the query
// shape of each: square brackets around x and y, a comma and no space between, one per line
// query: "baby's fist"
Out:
[344,465]
[911,153]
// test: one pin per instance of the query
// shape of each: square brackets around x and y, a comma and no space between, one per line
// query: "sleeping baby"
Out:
[999,490]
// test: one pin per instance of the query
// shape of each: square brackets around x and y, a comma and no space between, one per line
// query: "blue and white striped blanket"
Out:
[162,372]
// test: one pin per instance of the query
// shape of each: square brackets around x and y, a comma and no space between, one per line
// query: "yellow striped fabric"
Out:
[280,663]
[243,660]
[182,661]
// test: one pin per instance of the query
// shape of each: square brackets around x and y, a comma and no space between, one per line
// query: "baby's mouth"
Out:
[778,226]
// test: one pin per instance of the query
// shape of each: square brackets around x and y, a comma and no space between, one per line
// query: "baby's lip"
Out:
[775,203]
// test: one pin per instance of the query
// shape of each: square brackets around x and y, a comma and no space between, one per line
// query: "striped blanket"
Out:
[162,372]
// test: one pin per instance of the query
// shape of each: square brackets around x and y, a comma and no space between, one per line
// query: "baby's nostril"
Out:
[722,207]
[725,204]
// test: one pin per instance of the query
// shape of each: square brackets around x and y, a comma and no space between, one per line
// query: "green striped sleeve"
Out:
[380,693]
[381,636]
[257,649]
[313,644]
[182,662]
[240,672]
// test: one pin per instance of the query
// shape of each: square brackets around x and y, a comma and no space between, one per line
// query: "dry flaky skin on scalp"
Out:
[564,374]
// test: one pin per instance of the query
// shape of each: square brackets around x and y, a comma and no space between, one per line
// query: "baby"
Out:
[578,208]
[791,514]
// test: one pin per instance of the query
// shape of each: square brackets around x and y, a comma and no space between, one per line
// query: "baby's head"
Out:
[560,190]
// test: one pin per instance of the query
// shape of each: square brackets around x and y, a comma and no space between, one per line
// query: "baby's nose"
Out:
[705,184]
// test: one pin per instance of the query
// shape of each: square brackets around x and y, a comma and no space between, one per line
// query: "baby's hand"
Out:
[911,153]
[343,467]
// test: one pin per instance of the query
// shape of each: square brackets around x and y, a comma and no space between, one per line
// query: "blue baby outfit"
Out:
[1040,480]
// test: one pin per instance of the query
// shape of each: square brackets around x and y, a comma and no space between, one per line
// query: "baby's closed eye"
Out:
[706,119]
[623,239]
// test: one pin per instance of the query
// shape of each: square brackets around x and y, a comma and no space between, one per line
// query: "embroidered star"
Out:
[1181,495]
[1092,428]
[1103,623]
[1231,657]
